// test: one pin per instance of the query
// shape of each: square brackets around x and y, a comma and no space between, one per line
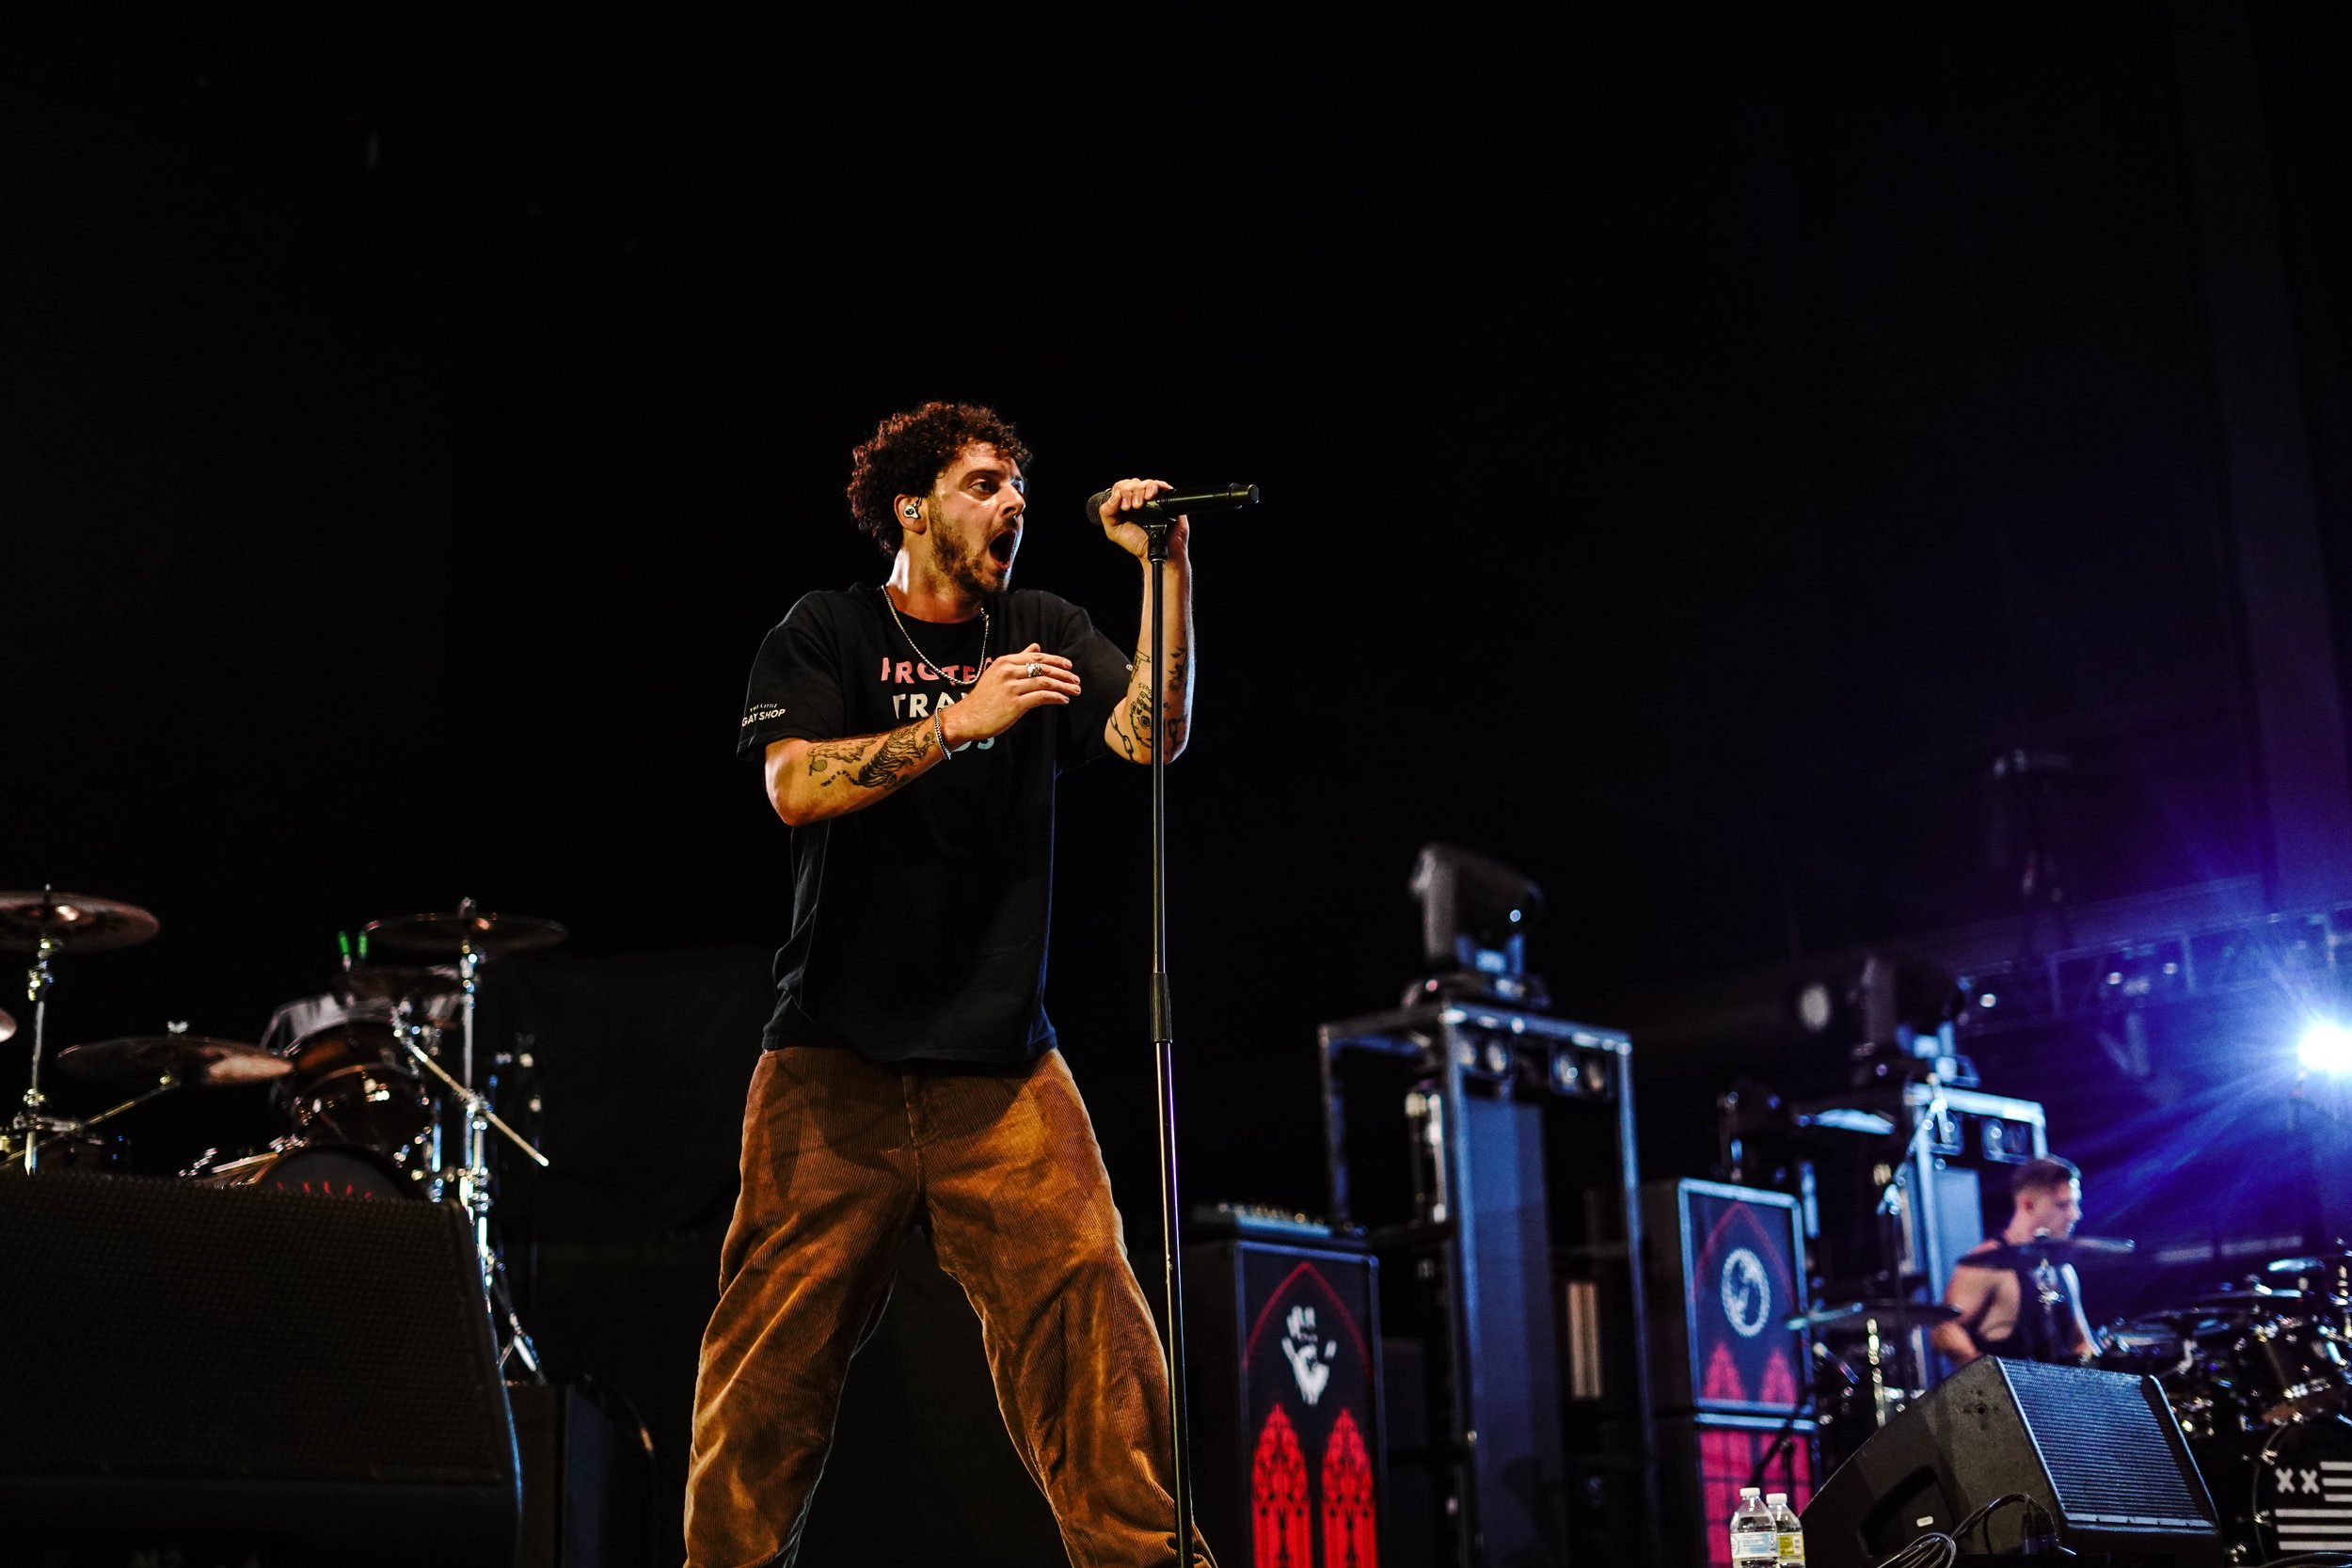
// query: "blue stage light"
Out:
[2326,1047]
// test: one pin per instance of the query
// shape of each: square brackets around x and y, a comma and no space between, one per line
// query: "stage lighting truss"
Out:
[2306,957]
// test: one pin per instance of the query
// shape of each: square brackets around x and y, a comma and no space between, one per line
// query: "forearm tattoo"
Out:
[889,765]
[822,756]
[1138,721]
[1179,698]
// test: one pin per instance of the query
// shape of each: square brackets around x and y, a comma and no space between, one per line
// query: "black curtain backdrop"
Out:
[1695,444]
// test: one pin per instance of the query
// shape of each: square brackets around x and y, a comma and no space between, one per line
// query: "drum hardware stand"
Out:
[1816,1404]
[473,1180]
[1891,1200]
[30,1124]
[60,1127]
[467,1184]
[1875,1358]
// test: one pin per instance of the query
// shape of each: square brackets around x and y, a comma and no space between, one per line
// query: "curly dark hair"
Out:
[911,451]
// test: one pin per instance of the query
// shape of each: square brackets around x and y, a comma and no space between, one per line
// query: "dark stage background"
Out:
[1695,444]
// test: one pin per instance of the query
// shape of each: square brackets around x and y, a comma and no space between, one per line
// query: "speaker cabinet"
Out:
[274,1377]
[1725,1276]
[588,1480]
[1287,1437]
[2098,1450]
[1703,1460]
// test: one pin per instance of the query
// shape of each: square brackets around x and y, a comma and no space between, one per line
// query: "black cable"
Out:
[1984,1515]
[1931,1550]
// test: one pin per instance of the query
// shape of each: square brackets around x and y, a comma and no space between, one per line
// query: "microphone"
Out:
[1175,504]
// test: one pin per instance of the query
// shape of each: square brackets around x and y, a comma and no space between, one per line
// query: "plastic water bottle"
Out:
[1788,1534]
[1753,1544]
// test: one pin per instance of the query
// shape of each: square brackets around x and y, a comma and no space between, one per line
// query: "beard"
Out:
[965,568]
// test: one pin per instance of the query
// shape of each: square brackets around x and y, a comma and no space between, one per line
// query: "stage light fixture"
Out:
[2325,1047]
[1475,916]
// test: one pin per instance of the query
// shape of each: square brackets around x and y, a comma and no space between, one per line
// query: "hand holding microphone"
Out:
[1131,508]
[1153,505]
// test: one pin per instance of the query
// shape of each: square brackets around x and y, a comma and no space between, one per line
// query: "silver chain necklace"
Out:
[928,662]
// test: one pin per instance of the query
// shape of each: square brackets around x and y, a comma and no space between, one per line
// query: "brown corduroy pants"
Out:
[840,1158]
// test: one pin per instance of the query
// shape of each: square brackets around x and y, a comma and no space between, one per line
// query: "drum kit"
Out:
[2259,1375]
[385,1091]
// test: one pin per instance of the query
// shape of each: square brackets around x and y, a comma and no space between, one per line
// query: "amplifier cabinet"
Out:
[1285,1387]
[1489,1155]
[1726,1273]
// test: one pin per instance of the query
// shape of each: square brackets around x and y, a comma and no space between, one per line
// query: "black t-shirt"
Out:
[919,922]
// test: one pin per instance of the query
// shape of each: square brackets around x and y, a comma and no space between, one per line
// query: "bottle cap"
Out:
[1777,1499]
[1750,1491]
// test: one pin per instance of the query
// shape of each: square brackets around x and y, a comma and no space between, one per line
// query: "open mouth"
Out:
[1003,545]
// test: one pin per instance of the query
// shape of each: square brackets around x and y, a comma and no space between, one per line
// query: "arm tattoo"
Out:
[833,750]
[886,769]
[1179,702]
[899,751]
[1137,722]
[1139,701]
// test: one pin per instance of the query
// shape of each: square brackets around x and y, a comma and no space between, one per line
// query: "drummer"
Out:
[2015,1299]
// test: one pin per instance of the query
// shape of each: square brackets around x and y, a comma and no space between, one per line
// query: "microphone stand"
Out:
[1155,526]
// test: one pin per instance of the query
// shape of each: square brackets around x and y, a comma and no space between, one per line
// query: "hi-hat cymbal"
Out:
[138,1060]
[73,922]
[1888,1314]
[448,935]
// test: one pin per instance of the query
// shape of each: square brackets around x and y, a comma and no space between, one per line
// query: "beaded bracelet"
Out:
[938,731]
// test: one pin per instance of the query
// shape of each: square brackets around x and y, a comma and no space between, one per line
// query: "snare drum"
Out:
[317,1170]
[351,1085]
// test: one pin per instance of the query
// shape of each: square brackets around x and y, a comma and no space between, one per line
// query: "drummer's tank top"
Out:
[2042,1305]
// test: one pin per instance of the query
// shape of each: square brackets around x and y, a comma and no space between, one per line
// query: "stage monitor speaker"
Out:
[1285,1362]
[2098,1450]
[248,1374]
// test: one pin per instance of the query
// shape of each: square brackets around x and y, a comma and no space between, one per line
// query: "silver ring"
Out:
[1032,672]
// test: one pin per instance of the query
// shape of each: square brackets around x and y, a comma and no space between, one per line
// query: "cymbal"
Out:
[2251,1296]
[2326,1262]
[136,1060]
[2194,1317]
[2053,1248]
[447,935]
[72,921]
[1890,1314]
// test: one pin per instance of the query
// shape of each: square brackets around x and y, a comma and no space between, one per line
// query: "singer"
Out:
[912,733]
